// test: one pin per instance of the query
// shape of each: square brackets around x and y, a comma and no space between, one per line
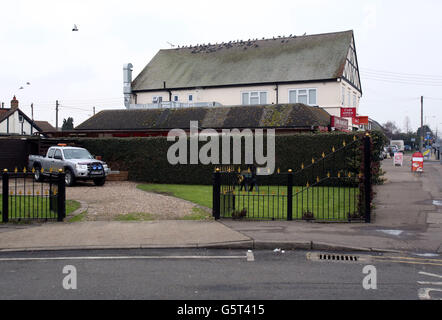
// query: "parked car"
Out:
[384,154]
[77,163]
[407,148]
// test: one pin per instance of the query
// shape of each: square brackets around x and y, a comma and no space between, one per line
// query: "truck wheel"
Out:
[69,178]
[99,182]
[37,174]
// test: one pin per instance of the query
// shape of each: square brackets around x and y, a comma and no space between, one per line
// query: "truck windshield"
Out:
[77,154]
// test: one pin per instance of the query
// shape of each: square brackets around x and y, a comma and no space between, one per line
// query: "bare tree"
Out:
[390,129]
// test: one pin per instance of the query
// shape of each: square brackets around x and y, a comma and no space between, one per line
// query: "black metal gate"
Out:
[333,188]
[24,199]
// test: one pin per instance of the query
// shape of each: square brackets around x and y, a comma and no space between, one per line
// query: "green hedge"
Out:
[146,158]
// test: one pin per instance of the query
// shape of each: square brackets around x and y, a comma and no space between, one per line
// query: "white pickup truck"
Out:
[77,163]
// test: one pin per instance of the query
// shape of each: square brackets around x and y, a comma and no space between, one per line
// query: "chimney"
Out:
[14,103]
[127,81]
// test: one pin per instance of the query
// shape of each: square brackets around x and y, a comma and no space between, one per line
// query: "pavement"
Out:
[407,218]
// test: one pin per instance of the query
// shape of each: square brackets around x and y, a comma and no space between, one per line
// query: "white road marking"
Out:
[122,258]
[430,274]
[250,256]
[392,232]
[429,282]
[424,294]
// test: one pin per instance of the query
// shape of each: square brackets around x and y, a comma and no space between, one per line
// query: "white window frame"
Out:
[308,95]
[258,95]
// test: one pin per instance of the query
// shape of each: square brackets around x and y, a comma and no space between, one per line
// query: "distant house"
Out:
[45,126]
[13,121]
[157,122]
[315,70]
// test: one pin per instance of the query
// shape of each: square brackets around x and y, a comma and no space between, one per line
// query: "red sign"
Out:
[339,123]
[360,120]
[417,162]
[348,112]
[363,120]
[356,121]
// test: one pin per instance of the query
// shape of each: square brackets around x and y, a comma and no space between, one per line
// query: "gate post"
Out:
[216,189]
[5,202]
[367,177]
[290,195]
[61,196]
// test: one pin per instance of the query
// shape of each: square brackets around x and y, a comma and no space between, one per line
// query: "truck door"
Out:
[58,160]
[48,162]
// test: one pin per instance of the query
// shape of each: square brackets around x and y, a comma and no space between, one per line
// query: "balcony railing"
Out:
[174,105]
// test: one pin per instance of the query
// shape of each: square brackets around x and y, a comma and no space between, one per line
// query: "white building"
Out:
[316,70]
[15,122]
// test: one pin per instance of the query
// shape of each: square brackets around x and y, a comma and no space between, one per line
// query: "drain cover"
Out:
[333,257]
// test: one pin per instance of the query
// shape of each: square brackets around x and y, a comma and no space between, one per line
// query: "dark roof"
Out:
[376,125]
[4,113]
[270,116]
[289,59]
[45,126]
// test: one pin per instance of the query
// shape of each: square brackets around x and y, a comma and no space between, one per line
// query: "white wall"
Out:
[15,126]
[328,94]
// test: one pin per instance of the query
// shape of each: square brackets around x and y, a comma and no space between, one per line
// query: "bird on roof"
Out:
[75,28]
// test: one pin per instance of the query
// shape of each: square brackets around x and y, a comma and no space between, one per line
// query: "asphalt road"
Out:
[213,275]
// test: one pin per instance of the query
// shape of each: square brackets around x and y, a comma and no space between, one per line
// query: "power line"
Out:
[403,82]
[401,73]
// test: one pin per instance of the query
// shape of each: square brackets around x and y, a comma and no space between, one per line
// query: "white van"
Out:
[399,143]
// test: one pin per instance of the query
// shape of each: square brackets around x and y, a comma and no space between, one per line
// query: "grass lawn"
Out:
[201,195]
[323,203]
[30,207]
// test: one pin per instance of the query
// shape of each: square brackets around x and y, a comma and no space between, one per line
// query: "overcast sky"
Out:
[398,44]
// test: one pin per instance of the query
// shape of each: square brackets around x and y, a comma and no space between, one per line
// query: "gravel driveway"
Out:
[116,198]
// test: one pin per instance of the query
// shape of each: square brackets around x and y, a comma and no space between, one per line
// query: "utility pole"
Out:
[32,111]
[56,115]
[421,144]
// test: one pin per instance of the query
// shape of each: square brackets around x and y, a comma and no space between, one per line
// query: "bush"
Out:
[146,158]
